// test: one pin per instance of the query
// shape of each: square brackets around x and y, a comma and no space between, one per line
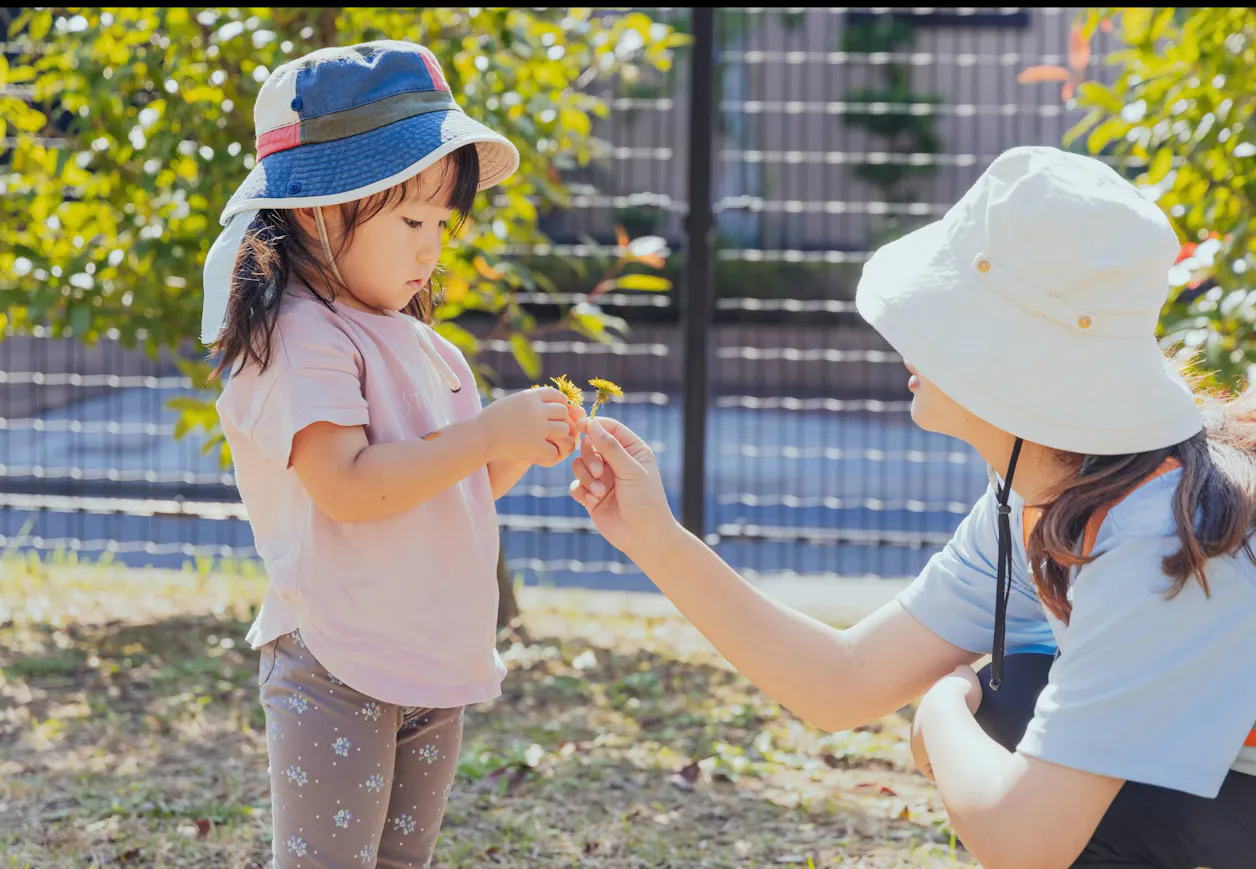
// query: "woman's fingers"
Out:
[586,479]
[621,449]
[590,457]
[582,496]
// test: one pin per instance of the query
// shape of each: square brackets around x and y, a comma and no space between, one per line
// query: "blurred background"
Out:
[808,136]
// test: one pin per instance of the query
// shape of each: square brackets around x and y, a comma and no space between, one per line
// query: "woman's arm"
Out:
[834,679]
[1011,811]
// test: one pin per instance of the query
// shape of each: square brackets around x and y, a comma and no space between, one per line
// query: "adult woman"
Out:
[1113,564]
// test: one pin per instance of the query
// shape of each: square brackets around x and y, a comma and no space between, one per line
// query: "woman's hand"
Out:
[618,482]
[960,683]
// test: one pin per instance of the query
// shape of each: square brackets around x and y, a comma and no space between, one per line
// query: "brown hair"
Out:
[276,250]
[1214,505]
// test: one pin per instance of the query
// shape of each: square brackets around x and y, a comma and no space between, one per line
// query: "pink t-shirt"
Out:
[402,609]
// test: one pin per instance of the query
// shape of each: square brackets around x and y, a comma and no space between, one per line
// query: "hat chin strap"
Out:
[1003,589]
[322,236]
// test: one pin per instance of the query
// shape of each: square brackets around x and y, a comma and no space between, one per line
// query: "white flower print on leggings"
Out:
[354,781]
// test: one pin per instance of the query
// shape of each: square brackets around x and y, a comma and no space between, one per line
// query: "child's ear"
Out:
[305,220]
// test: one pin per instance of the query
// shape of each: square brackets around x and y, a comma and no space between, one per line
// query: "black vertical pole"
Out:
[699,238]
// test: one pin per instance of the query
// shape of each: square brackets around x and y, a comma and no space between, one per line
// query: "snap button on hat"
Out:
[294,187]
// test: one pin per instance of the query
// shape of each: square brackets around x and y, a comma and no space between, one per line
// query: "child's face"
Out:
[392,255]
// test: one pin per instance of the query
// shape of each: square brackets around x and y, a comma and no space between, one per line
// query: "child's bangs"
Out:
[464,167]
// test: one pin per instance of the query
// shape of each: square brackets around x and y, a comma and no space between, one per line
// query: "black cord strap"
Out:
[1003,589]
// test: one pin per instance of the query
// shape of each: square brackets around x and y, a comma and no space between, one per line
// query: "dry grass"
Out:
[130,735]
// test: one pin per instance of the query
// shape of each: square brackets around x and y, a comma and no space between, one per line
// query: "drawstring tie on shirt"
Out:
[425,342]
[1003,589]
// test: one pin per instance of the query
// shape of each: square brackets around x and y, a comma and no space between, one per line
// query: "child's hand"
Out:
[530,426]
[567,445]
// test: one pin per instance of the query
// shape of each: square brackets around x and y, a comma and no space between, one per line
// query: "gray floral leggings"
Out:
[354,782]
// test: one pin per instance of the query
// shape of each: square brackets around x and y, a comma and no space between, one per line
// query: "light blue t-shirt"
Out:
[1147,688]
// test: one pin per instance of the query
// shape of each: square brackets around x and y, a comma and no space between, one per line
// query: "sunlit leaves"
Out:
[136,126]
[1180,115]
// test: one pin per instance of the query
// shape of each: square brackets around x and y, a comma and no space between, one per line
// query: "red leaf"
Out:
[888,792]
[1078,49]
[203,826]
[1035,74]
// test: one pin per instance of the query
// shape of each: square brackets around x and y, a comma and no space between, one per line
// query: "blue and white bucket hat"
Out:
[341,124]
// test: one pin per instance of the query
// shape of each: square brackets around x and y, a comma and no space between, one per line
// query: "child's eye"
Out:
[413,224]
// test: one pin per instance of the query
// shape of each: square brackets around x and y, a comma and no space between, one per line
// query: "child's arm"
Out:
[503,476]
[352,480]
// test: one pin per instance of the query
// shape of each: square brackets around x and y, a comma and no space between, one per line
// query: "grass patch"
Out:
[131,735]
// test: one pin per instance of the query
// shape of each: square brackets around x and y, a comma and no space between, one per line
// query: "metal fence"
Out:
[781,422]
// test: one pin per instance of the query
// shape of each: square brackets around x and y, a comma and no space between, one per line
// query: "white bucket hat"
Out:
[1034,302]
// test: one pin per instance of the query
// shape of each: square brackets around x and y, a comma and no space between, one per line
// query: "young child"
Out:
[364,459]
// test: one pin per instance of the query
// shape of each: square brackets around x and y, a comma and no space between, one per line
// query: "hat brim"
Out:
[329,173]
[1017,369]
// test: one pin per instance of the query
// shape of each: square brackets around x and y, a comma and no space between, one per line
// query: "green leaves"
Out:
[525,354]
[112,210]
[1160,165]
[1096,94]
[1105,133]
[644,283]
[1179,116]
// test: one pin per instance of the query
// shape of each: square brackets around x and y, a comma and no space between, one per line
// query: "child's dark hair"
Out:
[277,250]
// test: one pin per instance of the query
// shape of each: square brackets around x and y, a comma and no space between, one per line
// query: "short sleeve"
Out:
[954,595]
[314,377]
[1149,688]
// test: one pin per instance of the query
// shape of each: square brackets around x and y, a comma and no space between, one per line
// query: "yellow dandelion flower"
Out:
[573,393]
[605,391]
